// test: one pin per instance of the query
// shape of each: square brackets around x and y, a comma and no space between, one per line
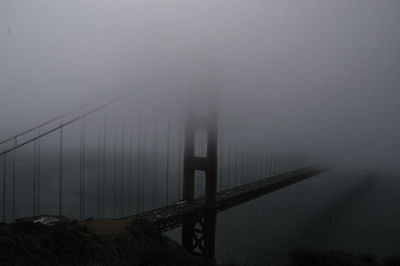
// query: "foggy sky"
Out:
[315,75]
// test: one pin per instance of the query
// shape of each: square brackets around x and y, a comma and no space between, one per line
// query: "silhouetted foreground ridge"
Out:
[91,242]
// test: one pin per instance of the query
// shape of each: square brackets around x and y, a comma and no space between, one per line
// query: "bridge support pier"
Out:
[198,233]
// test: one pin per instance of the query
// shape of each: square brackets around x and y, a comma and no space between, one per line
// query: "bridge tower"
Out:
[198,233]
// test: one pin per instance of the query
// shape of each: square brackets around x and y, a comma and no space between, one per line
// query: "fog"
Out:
[319,77]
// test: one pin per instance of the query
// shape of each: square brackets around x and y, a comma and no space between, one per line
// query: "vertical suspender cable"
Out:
[138,166]
[34,177]
[104,167]
[265,162]
[242,165]
[251,165]
[156,170]
[294,161]
[60,170]
[179,159]
[267,166]
[144,165]
[284,163]
[4,187]
[236,163]
[270,163]
[115,175]
[254,162]
[13,186]
[83,166]
[204,152]
[98,171]
[248,165]
[122,163]
[167,173]
[255,174]
[81,159]
[130,167]
[260,163]
[229,162]
[245,161]
[257,162]
[154,164]
[220,164]
[80,173]
[38,174]
[279,164]
[291,163]
[288,163]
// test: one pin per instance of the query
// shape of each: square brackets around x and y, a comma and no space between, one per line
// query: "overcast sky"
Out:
[318,75]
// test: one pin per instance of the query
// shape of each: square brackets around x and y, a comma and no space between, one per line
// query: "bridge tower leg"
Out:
[198,233]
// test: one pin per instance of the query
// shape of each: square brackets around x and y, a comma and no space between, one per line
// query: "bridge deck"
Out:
[170,217]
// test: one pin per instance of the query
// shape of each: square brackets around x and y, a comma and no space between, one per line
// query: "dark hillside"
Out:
[92,242]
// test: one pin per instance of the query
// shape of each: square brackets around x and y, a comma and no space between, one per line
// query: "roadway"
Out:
[171,216]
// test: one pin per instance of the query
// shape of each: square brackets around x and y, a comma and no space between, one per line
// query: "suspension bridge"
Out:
[130,156]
